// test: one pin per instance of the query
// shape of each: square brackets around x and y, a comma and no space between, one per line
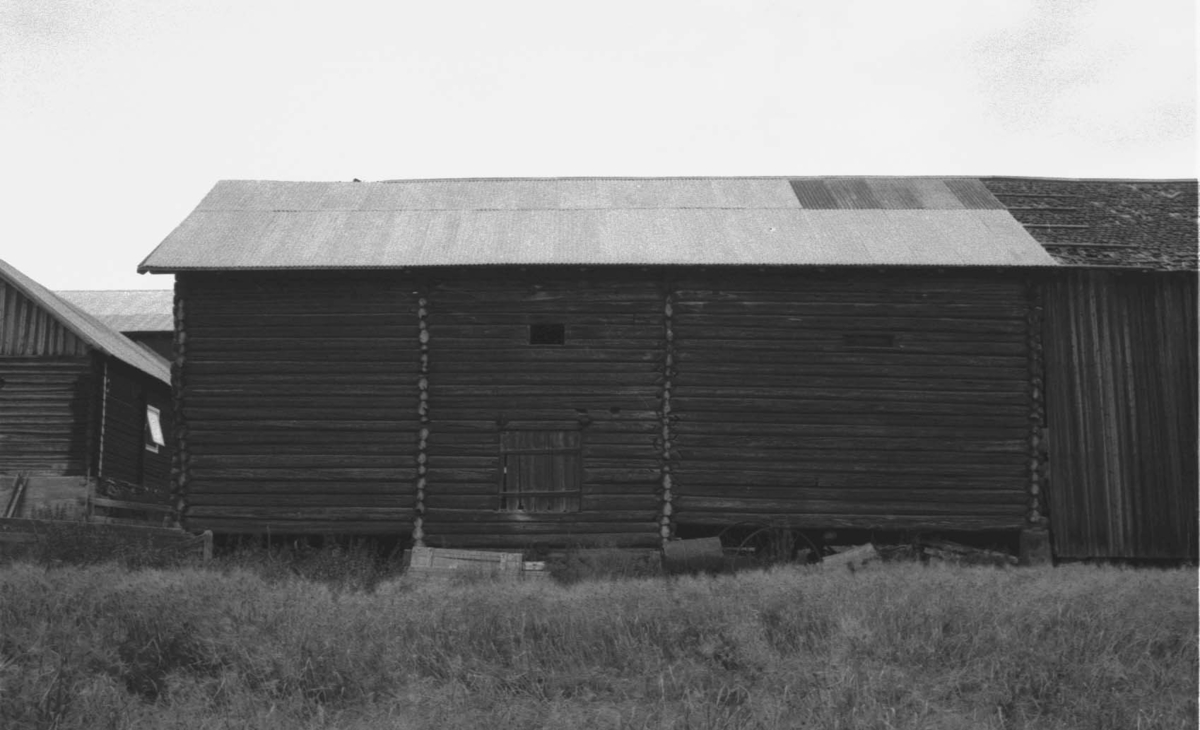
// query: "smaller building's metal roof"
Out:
[127,310]
[88,328]
[594,221]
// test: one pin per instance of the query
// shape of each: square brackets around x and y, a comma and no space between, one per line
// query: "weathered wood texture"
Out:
[28,330]
[45,397]
[298,402]
[1121,406]
[125,454]
[603,381]
[874,400]
[45,405]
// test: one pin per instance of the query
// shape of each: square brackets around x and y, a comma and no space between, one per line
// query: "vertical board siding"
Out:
[299,403]
[125,454]
[485,378]
[44,409]
[852,399]
[1121,395]
[27,329]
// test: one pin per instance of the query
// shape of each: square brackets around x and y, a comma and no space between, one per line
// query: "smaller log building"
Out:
[78,400]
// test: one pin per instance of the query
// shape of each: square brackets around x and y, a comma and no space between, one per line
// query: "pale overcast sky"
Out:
[117,117]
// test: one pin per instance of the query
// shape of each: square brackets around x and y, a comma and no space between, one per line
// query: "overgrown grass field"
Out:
[895,646]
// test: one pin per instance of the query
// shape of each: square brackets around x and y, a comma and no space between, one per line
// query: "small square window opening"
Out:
[547,334]
[153,432]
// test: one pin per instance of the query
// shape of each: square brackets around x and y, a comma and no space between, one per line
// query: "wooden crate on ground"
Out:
[426,561]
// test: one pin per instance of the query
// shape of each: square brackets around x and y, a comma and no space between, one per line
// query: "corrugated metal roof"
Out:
[129,310]
[592,221]
[88,328]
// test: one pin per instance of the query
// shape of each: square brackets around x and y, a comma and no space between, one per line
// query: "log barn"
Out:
[521,362]
[78,402]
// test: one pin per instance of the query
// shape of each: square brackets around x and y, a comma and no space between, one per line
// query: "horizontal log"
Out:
[800,407]
[204,351]
[201,484]
[492,519]
[295,412]
[271,388]
[729,443]
[701,379]
[459,413]
[398,424]
[897,417]
[750,357]
[324,443]
[531,376]
[300,461]
[858,522]
[753,476]
[713,428]
[691,503]
[393,527]
[303,370]
[399,329]
[436,527]
[265,500]
[732,312]
[718,458]
[802,392]
[911,345]
[801,328]
[809,468]
[459,390]
[604,425]
[647,539]
[292,512]
[647,504]
[310,402]
[473,352]
[966,492]
[310,474]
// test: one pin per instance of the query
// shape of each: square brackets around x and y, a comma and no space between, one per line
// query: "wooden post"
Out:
[423,415]
[1037,407]
[669,360]
[180,460]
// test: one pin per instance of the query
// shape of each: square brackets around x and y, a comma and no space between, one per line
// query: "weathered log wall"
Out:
[297,402]
[869,400]
[46,397]
[1121,392]
[603,381]
[46,410]
[125,455]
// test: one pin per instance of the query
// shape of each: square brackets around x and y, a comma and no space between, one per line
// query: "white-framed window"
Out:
[153,432]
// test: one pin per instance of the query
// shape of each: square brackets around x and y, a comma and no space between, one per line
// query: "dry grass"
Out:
[900,646]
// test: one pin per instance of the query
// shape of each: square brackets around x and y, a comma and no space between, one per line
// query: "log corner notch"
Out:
[669,361]
[180,459]
[1036,514]
[418,534]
